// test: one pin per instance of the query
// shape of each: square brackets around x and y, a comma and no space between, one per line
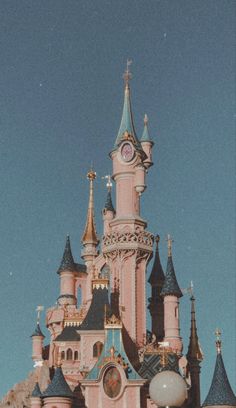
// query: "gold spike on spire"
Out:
[90,235]
[218,340]
[169,242]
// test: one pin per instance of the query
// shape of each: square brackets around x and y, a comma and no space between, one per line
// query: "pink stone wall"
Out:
[171,323]
[37,347]
[57,402]
[35,402]
[67,283]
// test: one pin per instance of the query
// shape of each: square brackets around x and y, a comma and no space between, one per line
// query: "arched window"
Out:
[97,349]
[76,355]
[62,355]
[69,354]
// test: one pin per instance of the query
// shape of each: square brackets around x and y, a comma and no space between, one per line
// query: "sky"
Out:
[61,98]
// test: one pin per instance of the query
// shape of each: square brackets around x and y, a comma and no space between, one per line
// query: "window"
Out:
[63,355]
[97,349]
[76,355]
[69,354]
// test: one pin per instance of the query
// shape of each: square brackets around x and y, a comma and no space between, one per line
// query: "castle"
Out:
[100,354]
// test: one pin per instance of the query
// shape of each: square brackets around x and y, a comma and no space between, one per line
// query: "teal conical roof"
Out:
[171,286]
[37,332]
[58,387]
[126,124]
[145,136]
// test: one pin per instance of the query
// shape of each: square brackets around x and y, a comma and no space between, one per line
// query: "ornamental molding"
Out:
[128,238]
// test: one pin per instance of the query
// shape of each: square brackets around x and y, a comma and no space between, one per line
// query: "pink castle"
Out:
[100,355]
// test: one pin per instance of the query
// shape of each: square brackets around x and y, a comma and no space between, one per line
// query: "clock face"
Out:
[127,152]
[112,382]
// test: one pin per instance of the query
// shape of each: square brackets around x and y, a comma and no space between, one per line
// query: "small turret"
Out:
[194,357]
[171,293]
[67,277]
[37,339]
[147,144]
[156,305]
[220,393]
[36,397]
[89,238]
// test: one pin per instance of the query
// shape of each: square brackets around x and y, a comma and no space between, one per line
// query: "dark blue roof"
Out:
[108,203]
[145,136]
[58,387]
[152,364]
[94,319]
[37,332]
[36,391]
[67,262]
[171,286]
[157,274]
[220,392]
[69,333]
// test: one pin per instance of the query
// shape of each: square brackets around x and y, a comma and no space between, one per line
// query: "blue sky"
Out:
[61,96]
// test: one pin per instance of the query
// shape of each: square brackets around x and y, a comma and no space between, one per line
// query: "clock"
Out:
[112,382]
[127,152]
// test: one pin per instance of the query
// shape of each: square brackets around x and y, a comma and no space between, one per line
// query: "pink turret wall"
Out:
[171,323]
[67,283]
[35,402]
[57,402]
[37,347]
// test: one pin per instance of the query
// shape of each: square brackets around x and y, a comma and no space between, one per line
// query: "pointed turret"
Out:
[194,357]
[90,239]
[67,262]
[171,293]
[126,130]
[58,387]
[156,305]
[220,393]
[37,343]
[37,332]
[147,144]
[108,210]
[108,204]
[171,286]
[67,270]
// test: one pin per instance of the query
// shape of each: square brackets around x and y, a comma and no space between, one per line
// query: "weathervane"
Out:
[218,340]
[109,183]
[127,75]
[39,309]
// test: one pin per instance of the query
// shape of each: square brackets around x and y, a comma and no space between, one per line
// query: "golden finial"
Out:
[127,75]
[163,348]
[91,175]
[169,240]
[218,340]
[145,119]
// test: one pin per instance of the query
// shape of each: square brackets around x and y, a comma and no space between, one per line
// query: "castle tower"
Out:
[58,393]
[36,397]
[171,293]
[66,271]
[127,247]
[194,357]
[220,394]
[156,304]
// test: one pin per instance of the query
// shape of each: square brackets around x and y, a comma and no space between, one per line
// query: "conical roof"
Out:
[194,351]
[37,332]
[171,286]
[36,391]
[145,136]
[58,387]
[220,392]
[67,262]
[94,319]
[157,275]
[90,235]
[108,204]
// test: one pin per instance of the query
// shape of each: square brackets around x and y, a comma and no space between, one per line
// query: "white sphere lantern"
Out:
[168,389]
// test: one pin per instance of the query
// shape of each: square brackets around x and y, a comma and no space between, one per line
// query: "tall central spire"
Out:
[126,129]
[90,235]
